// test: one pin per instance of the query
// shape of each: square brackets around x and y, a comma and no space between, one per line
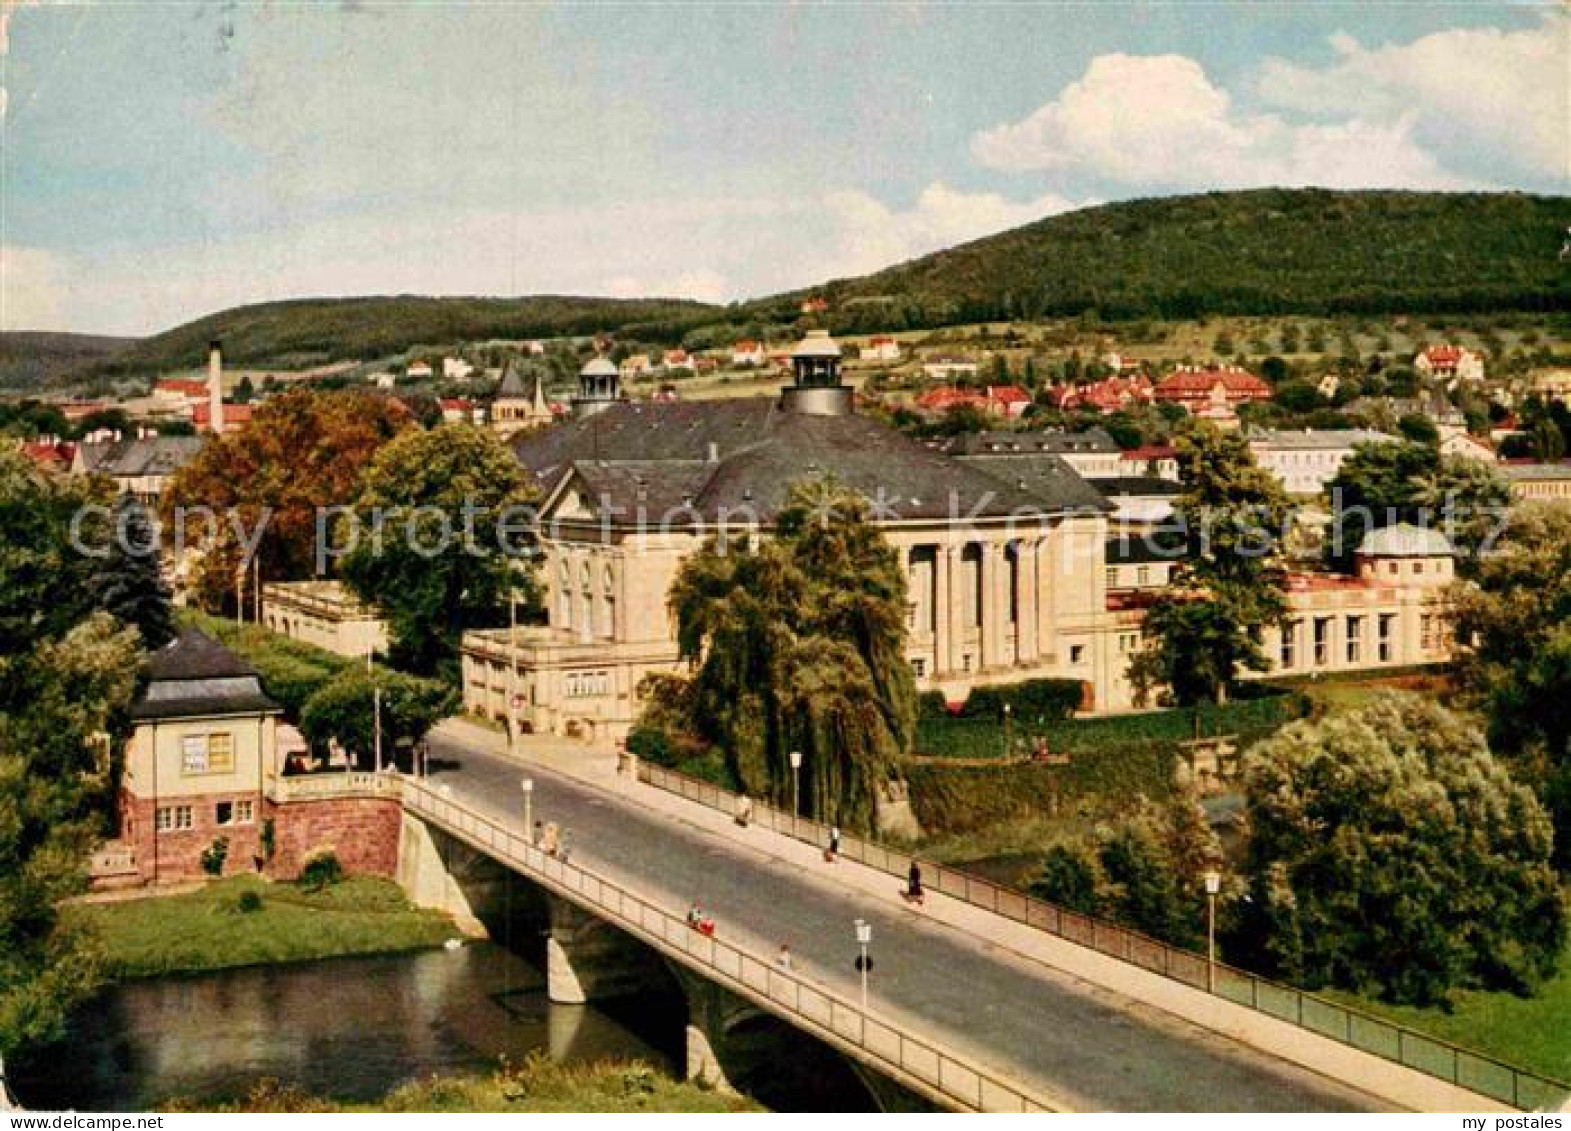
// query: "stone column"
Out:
[939,607]
[587,960]
[1026,614]
[992,605]
[1046,596]
[956,605]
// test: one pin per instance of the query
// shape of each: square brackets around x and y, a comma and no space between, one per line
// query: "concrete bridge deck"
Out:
[1087,1046]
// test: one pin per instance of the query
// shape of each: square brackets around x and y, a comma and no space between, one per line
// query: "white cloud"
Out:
[1159,122]
[1502,95]
[715,249]
[32,290]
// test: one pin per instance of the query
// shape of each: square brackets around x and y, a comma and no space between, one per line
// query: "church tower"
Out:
[816,389]
[599,387]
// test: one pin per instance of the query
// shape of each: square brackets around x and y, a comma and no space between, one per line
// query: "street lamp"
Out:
[528,785]
[1213,881]
[796,787]
[1008,732]
[864,938]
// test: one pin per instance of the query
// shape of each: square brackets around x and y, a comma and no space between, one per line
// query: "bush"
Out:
[1070,878]
[321,870]
[214,855]
[1036,700]
[249,903]
[932,705]
[652,744]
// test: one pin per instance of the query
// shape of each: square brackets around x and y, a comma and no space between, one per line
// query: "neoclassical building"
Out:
[1006,559]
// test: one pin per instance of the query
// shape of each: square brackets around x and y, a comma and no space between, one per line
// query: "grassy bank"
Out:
[1532,1033]
[537,1085]
[213,929]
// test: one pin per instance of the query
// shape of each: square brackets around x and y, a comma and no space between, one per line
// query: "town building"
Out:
[1459,442]
[459,410]
[881,348]
[1091,452]
[945,368]
[1140,502]
[1008,401]
[1538,482]
[1157,460]
[520,407]
[141,466]
[1449,364]
[419,371]
[1199,388]
[50,453]
[636,365]
[748,353]
[456,369]
[207,768]
[1004,550]
[324,614]
[1305,460]
[1114,394]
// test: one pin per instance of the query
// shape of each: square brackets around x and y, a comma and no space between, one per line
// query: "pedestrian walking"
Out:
[538,834]
[784,959]
[744,810]
[565,848]
[914,893]
[551,839]
[833,850]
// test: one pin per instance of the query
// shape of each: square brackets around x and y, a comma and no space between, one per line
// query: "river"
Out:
[348,1028]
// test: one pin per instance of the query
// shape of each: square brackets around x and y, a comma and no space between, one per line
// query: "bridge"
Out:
[963,1013]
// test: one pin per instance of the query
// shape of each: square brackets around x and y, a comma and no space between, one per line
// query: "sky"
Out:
[160,161]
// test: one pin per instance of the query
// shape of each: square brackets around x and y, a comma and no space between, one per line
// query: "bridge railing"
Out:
[955,1078]
[1465,1068]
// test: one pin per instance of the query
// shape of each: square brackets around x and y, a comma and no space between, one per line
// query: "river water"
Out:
[349,1028]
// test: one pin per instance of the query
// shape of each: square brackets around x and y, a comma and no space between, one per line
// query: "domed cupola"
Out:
[816,389]
[599,386]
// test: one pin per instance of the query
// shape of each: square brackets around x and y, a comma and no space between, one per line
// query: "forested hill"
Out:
[1269,251]
[36,360]
[305,332]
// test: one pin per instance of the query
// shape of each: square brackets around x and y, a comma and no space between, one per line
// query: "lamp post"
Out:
[512,668]
[528,785]
[376,712]
[1008,731]
[864,938]
[1213,881]
[796,787]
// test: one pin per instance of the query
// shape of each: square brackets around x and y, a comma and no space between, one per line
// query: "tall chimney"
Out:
[215,386]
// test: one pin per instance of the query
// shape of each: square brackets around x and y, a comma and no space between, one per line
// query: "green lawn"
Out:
[537,1085]
[208,930]
[1532,1033]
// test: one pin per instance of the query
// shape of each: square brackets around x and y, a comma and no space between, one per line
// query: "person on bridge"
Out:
[744,810]
[831,852]
[551,839]
[700,922]
[914,893]
[784,961]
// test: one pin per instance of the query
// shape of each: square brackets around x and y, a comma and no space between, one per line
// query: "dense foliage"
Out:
[1266,251]
[1231,517]
[67,675]
[1383,484]
[797,644]
[305,332]
[438,534]
[129,582]
[1516,615]
[1145,870]
[272,482]
[1390,852]
[346,711]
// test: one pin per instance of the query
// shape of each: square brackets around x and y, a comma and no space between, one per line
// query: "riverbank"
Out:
[246,921]
[537,1085]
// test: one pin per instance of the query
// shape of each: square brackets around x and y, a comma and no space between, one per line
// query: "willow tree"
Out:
[797,643]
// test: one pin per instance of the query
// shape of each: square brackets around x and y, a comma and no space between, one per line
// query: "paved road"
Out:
[1104,1052]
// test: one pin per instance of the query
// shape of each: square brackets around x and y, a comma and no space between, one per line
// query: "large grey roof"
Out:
[1316,439]
[149,455]
[194,676]
[1055,441]
[744,454]
[1404,540]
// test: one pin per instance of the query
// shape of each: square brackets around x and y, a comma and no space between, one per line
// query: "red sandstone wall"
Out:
[362,832]
[177,855]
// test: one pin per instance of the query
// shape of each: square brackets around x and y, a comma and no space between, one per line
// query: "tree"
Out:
[1394,854]
[129,583]
[1514,616]
[797,644]
[435,539]
[1419,429]
[1382,484]
[344,711]
[1298,396]
[1230,517]
[301,453]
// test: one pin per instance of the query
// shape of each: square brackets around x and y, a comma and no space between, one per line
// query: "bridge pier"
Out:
[710,1010]
[431,870]
[589,960]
